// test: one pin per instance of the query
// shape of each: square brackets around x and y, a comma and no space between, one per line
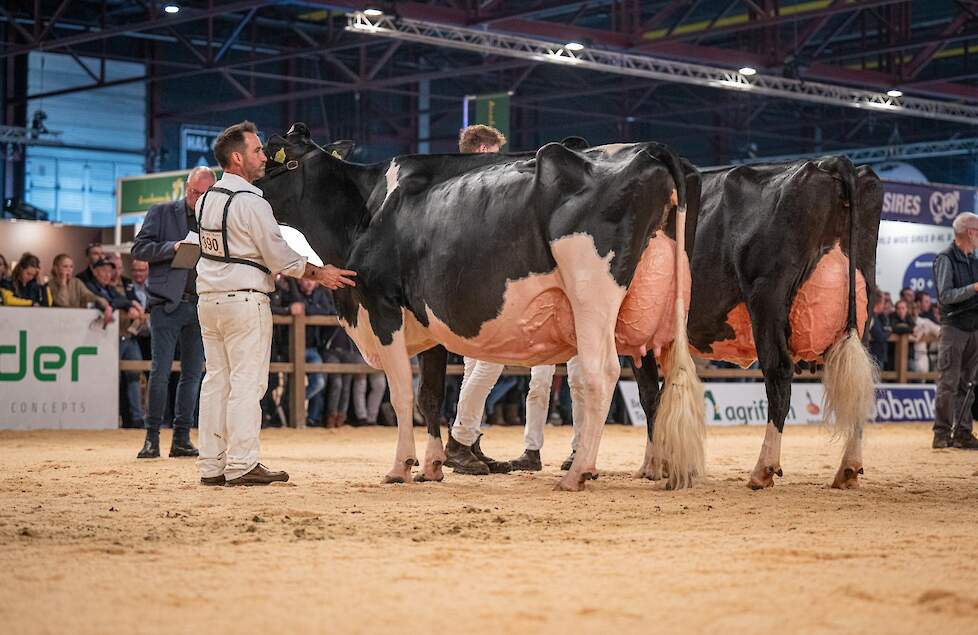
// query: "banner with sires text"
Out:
[58,369]
[741,403]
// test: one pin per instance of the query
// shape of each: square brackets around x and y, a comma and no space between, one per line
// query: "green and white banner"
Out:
[58,369]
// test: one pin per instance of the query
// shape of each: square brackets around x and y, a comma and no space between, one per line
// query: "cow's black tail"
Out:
[673,163]
[848,173]
[679,433]
[850,375]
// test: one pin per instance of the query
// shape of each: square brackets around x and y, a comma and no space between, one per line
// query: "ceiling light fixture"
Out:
[574,46]
[893,92]
[171,8]
[373,13]
[747,71]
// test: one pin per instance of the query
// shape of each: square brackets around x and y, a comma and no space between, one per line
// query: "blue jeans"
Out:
[129,350]
[314,389]
[167,329]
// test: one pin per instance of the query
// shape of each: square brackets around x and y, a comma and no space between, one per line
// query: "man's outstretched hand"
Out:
[334,278]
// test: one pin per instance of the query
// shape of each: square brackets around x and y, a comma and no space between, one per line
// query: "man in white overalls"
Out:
[241,251]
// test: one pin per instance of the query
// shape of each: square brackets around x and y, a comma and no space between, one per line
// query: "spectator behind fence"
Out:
[4,269]
[906,294]
[69,292]
[338,349]
[879,329]
[93,253]
[926,331]
[172,297]
[131,316]
[956,279]
[309,298]
[23,288]
[925,307]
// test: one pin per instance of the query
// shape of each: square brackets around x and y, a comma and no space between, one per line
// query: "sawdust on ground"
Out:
[93,541]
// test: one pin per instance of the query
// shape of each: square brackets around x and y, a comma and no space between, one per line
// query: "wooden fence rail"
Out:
[297,366]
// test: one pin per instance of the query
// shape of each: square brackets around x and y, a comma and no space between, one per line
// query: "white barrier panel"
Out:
[58,369]
[738,403]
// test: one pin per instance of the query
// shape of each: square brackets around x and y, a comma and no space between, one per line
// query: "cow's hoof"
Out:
[432,473]
[847,477]
[569,483]
[650,472]
[763,476]
[401,472]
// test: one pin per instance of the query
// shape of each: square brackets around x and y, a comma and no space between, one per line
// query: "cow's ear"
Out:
[300,130]
[340,149]
[575,143]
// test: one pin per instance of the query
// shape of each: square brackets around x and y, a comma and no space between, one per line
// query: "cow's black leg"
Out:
[768,309]
[431,393]
[647,378]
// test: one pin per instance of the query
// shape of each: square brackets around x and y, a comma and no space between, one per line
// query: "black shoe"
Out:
[461,459]
[965,441]
[495,467]
[942,439]
[212,480]
[566,465]
[528,462]
[151,449]
[182,447]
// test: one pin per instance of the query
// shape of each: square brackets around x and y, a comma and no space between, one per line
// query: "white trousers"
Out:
[477,382]
[236,328]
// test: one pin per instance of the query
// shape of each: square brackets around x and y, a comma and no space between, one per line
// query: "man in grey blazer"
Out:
[173,316]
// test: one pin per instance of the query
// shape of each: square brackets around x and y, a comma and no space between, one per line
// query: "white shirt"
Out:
[253,235]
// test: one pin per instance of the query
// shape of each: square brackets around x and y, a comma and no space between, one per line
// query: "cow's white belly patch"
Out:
[536,323]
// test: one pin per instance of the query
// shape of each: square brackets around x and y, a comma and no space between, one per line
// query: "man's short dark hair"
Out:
[471,138]
[232,140]
[91,246]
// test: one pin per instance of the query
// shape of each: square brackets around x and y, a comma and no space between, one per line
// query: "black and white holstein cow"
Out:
[783,267]
[512,259]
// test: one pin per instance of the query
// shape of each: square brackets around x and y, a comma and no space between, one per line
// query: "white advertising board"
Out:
[739,403]
[58,369]
[905,256]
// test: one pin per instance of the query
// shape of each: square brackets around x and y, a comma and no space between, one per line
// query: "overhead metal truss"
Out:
[900,152]
[621,63]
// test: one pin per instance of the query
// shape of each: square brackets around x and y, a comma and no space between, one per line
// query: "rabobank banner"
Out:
[740,403]
[58,369]
[927,203]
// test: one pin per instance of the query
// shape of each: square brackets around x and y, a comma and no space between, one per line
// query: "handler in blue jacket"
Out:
[173,317]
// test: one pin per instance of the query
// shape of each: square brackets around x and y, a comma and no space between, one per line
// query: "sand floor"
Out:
[92,541]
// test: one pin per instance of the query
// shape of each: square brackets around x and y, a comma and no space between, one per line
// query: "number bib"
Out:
[212,243]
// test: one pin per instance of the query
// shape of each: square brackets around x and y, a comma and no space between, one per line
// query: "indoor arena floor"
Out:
[92,541]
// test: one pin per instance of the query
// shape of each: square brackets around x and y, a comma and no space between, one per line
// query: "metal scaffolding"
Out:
[621,63]
[900,152]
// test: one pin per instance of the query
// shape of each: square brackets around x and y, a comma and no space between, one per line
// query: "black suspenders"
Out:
[227,258]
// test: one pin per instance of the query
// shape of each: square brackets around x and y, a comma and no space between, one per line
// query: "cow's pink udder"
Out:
[818,315]
[646,320]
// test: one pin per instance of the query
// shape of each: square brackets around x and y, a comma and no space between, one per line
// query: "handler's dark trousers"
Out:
[957,362]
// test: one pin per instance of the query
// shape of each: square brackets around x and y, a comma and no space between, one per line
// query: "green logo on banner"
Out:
[493,110]
[46,360]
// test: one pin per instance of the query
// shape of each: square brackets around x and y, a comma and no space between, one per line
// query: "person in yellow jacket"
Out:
[23,287]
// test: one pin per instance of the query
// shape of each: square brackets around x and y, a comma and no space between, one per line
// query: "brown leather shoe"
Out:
[259,475]
[212,480]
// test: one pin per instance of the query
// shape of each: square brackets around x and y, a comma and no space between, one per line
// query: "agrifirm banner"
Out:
[905,256]
[928,203]
[58,369]
[740,403]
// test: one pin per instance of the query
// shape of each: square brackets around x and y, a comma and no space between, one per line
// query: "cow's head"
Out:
[287,171]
